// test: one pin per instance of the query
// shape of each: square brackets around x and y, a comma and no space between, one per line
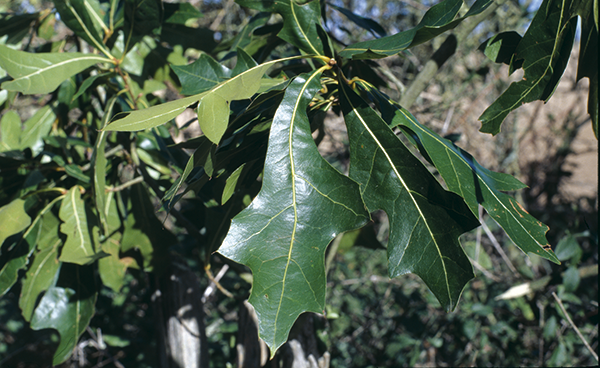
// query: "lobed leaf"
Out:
[437,20]
[42,72]
[474,183]
[543,53]
[299,21]
[303,204]
[425,220]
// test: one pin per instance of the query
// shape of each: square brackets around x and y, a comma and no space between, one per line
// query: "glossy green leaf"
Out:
[67,311]
[41,272]
[36,128]
[303,204]
[201,75]
[18,256]
[43,72]
[213,107]
[99,170]
[501,47]
[112,268]
[83,17]
[10,132]
[78,247]
[478,185]
[13,218]
[365,23]
[425,220]
[299,21]
[230,184]
[543,53]
[587,65]
[152,116]
[142,17]
[437,20]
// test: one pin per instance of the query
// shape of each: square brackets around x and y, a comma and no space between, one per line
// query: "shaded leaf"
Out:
[425,220]
[437,20]
[16,26]
[587,65]
[78,247]
[67,311]
[476,184]
[13,218]
[230,184]
[543,53]
[180,13]
[18,256]
[41,273]
[83,17]
[299,21]
[142,17]
[43,72]
[201,75]
[501,47]
[36,128]
[366,23]
[303,204]
[144,232]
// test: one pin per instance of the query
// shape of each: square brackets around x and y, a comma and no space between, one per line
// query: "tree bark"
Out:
[179,318]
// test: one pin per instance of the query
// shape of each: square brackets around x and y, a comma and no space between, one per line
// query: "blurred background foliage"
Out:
[372,321]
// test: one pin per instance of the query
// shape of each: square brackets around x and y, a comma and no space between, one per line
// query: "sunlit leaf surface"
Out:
[425,220]
[303,204]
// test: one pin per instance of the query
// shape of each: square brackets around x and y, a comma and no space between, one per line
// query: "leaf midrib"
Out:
[485,183]
[410,192]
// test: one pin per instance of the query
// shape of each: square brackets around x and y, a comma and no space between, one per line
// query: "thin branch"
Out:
[498,247]
[560,304]
[487,273]
[216,281]
[126,185]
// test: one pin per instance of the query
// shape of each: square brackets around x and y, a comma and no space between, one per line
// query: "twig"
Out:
[496,245]
[126,185]
[483,270]
[215,280]
[560,304]
[217,22]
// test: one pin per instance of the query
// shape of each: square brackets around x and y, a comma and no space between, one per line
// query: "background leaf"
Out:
[42,72]
[13,218]
[543,52]
[425,221]
[476,184]
[78,247]
[83,17]
[437,20]
[69,312]
[41,273]
[303,204]
[299,21]
[18,256]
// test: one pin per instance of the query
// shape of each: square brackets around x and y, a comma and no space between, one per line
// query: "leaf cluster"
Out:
[83,177]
